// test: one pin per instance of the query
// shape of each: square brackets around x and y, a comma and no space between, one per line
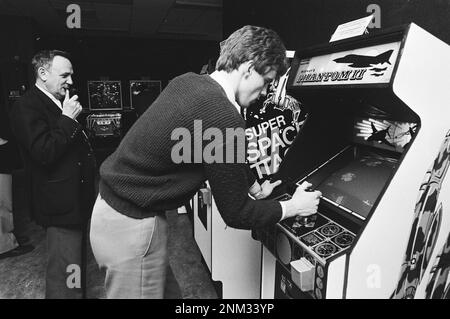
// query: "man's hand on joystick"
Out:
[303,202]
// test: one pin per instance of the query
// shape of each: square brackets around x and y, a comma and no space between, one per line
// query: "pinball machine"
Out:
[376,143]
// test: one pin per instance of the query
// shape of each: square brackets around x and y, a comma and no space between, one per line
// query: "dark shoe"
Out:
[20,250]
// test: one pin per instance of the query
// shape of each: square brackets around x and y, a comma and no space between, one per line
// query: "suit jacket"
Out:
[58,160]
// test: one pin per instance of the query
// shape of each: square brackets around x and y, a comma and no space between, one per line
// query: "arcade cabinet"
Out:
[232,256]
[377,145]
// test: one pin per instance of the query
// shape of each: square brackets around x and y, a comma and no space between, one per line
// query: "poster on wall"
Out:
[272,123]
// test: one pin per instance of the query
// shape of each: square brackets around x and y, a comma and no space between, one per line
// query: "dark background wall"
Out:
[302,23]
[120,58]
[16,42]
[96,57]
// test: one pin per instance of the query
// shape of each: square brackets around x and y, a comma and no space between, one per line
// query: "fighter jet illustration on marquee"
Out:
[365,61]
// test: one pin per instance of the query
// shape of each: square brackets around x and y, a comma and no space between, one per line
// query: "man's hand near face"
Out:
[71,107]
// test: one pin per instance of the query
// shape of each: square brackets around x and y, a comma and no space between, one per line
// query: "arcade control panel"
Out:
[321,237]
[304,247]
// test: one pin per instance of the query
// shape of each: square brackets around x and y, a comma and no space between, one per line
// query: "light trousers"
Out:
[133,252]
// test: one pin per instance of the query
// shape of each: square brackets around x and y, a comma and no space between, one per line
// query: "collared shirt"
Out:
[218,76]
[54,99]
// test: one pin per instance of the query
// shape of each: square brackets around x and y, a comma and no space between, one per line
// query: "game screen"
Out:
[105,95]
[357,184]
[143,92]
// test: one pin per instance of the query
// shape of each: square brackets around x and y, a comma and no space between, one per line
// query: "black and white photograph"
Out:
[225,155]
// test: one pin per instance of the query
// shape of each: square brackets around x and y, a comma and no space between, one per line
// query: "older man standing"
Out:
[60,168]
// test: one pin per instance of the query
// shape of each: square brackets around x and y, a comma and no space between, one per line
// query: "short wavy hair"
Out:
[45,58]
[261,45]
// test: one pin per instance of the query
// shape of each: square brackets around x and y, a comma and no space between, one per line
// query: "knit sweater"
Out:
[140,179]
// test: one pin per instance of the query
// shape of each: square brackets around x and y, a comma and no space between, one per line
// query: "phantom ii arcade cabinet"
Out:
[377,145]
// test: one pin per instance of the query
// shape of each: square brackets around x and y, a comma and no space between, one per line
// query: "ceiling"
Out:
[167,19]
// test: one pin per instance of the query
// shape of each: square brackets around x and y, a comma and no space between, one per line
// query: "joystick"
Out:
[306,221]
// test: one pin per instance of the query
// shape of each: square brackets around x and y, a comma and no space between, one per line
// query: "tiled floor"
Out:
[24,276]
